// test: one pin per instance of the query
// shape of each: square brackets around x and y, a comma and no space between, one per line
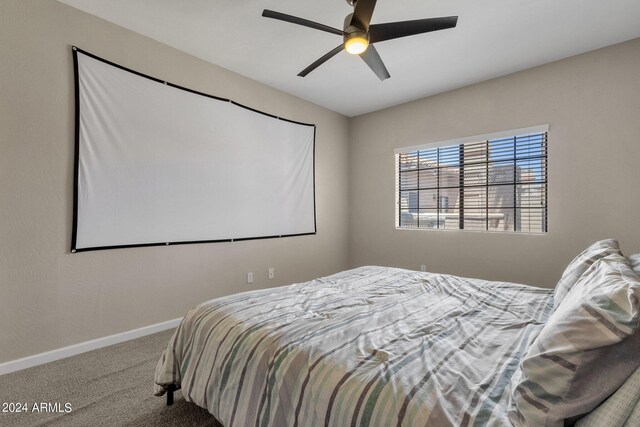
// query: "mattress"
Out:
[372,346]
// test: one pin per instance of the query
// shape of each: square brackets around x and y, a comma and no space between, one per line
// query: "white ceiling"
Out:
[493,38]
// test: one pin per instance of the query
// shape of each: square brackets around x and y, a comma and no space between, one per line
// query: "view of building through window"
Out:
[494,185]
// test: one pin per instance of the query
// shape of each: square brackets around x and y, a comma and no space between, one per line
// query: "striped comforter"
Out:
[372,346]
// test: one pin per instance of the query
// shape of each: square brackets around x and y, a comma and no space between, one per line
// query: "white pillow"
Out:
[634,260]
[580,264]
[586,350]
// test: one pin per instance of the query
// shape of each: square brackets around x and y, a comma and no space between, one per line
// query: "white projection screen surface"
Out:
[159,164]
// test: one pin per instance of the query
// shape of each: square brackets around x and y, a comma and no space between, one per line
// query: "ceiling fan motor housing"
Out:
[353,32]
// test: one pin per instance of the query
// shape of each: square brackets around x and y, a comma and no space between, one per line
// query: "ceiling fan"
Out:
[359,36]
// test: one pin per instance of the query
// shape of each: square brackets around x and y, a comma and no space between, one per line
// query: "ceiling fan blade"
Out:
[362,14]
[373,60]
[394,30]
[300,21]
[321,61]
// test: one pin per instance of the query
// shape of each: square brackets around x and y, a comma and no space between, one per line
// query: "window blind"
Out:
[495,184]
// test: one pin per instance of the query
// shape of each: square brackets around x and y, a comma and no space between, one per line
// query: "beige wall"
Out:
[592,104]
[50,298]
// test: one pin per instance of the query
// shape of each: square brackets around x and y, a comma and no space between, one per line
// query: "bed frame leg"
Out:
[170,391]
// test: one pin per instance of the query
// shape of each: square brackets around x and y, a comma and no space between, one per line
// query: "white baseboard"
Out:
[83,347]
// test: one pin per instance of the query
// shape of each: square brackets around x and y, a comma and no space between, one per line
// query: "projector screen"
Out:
[159,164]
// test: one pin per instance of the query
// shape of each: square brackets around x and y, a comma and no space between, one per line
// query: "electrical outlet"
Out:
[271,273]
[423,267]
[249,277]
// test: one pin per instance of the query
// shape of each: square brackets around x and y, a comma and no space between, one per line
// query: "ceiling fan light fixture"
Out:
[356,43]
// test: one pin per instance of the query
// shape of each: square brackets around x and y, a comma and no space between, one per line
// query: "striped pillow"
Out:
[634,260]
[580,264]
[586,350]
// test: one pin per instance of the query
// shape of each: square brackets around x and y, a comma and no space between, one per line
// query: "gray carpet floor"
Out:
[112,386]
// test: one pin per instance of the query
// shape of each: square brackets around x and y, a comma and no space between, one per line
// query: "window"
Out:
[493,182]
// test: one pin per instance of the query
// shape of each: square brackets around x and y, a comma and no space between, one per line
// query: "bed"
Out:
[372,346]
